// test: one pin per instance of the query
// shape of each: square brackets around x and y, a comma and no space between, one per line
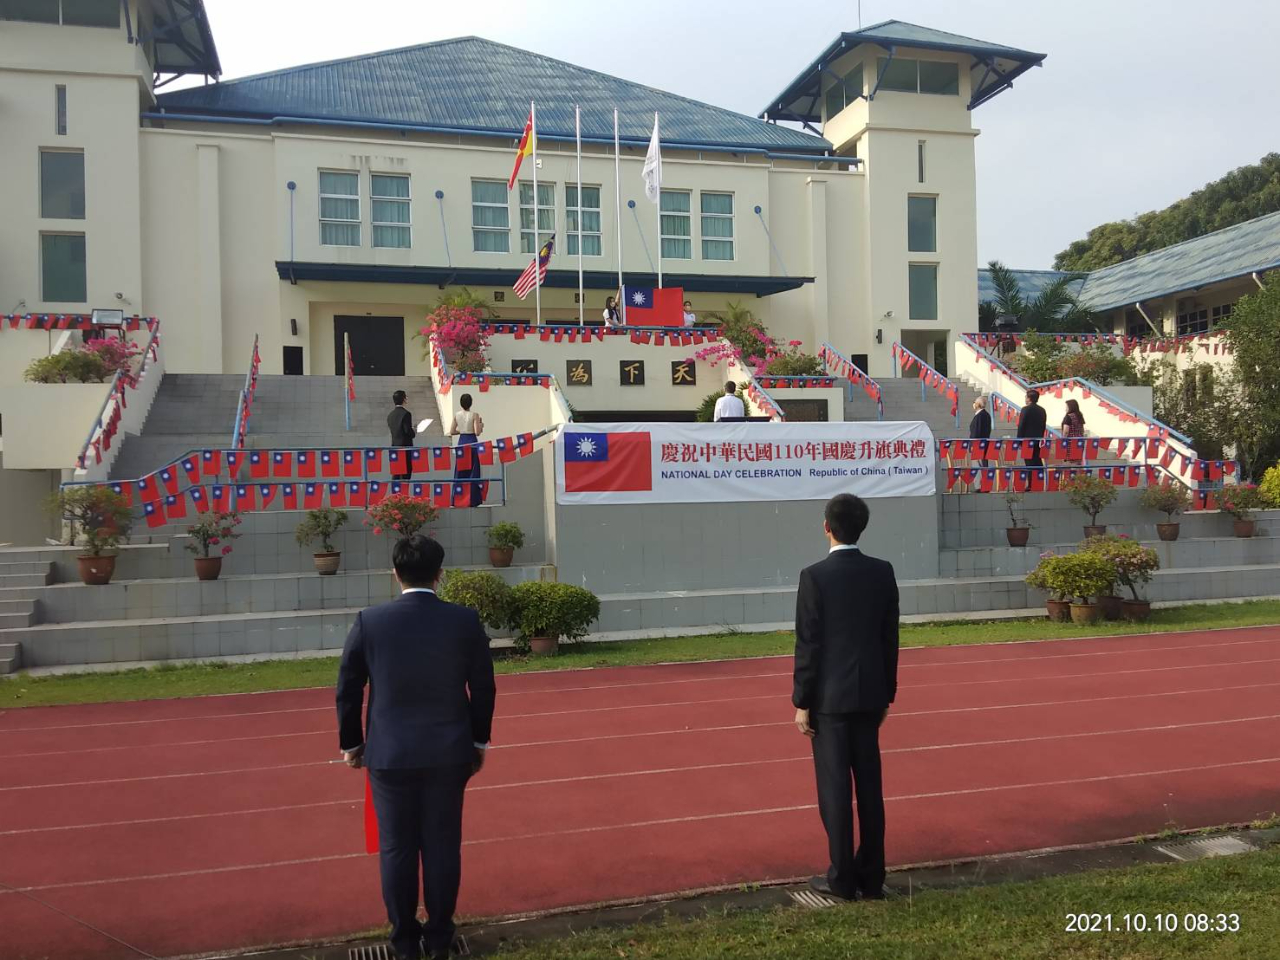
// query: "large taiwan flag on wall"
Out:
[653,306]
[607,462]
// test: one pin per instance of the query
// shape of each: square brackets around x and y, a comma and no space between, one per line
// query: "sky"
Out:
[1139,102]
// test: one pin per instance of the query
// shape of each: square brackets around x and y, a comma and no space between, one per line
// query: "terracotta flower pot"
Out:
[208,568]
[501,556]
[96,571]
[327,563]
[544,646]
[1111,607]
[1243,528]
[1168,532]
[1017,535]
[1085,612]
[1059,610]
[1095,531]
[1137,610]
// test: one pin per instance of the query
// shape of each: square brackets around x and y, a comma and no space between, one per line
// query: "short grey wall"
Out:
[655,547]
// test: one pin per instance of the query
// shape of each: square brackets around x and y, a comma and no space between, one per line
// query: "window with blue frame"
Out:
[922,282]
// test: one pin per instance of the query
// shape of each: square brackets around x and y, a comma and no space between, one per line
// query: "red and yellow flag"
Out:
[524,150]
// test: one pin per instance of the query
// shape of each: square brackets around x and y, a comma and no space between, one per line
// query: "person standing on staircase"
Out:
[1031,425]
[980,425]
[400,423]
[1073,428]
[467,427]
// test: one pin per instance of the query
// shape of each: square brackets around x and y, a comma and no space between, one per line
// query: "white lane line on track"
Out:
[920,748]
[668,821]
[753,676]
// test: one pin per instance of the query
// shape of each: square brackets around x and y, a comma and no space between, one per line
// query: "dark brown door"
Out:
[377,345]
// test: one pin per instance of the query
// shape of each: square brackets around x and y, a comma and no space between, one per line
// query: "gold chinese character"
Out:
[680,373]
[578,373]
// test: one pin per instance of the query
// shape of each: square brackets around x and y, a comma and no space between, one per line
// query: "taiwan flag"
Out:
[259,466]
[607,462]
[377,492]
[337,494]
[306,464]
[154,514]
[123,490]
[200,499]
[351,463]
[175,506]
[211,462]
[289,496]
[192,466]
[313,496]
[220,497]
[653,306]
[328,463]
[281,463]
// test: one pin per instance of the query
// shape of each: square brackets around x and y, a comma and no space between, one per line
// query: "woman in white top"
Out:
[467,427]
[612,315]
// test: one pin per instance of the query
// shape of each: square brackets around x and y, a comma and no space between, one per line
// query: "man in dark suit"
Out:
[400,423]
[431,697]
[1031,424]
[980,426]
[846,675]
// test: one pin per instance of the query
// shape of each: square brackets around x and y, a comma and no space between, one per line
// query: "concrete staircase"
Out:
[902,401]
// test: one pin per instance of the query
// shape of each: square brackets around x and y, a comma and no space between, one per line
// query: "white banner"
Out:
[734,462]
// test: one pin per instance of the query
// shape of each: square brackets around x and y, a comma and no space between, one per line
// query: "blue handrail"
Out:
[863,377]
[237,436]
[1093,388]
[98,421]
[900,350]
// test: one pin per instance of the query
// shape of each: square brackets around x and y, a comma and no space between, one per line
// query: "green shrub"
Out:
[103,516]
[547,609]
[486,593]
[69,366]
[1089,493]
[1131,563]
[793,363]
[320,525]
[506,536]
[1270,486]
[1240,500]
[1083,575]
[1046,576]
[1169,498]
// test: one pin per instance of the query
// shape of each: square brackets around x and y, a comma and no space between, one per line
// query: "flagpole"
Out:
[617,204]
[577,130]
[658,206]
[537,247]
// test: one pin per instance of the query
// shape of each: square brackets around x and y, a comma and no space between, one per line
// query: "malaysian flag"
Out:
[536,272]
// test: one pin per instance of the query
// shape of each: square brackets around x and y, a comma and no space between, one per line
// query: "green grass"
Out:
[1015,921]
[222,677]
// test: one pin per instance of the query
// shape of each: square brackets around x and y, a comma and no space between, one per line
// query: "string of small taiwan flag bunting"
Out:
[846,368]
[1074,448]
[65,321]
[764,401]
[1215,342]
[931,377]
[337,477]
[242,425]
[113,411]
[572,333]
[1051,479]
[795,383]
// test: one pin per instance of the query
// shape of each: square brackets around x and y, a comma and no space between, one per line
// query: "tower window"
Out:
[60,110]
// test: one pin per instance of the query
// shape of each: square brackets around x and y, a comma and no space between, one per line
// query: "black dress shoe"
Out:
[822,885]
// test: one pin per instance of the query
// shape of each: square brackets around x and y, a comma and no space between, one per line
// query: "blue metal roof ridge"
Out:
[502,134]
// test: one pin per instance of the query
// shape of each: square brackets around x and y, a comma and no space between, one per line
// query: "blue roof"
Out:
[994,67]
[477,85]
[1030,282]
[1222,255]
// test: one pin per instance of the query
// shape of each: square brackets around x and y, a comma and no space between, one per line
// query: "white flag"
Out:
[652,172]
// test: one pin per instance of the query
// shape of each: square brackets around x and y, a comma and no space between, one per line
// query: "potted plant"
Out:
[544,613]
[1170,499]
[1092,495]
[1109,601]
[504,539]
[215,529]
[1019,529]
[1132,564]
[1045,577]
[321,525]
[1083,575]
[1240,501]
[486,593]
[404,514]
[104,518]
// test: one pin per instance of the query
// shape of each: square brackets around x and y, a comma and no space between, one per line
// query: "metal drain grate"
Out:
[1206,847]
[812,901]
[380,952]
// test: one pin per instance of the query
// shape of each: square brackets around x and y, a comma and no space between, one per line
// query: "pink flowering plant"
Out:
[1132,563]
[744,340]
[214,532]
[400,513]
[458,333]
[117,356]
[1240,500]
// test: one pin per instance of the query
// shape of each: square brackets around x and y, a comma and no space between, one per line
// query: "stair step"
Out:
[12,580]
[10,658]
[11,567]
[12,620]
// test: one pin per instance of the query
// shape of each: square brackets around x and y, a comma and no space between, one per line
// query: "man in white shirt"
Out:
[690,318]
[730,405]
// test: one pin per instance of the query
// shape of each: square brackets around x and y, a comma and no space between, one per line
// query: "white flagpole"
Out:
[617,201]
[537,247]
[658,206]
[577,130]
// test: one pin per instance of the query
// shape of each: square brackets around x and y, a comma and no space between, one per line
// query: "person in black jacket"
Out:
[980,425]
[400,423]
[1031,423]
[431,696]
[846,675]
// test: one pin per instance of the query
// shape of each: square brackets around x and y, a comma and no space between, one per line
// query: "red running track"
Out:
[209,824]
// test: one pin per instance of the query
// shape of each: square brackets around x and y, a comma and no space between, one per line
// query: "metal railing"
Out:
[244,405]
[833,360]
[119,383]
[944,386]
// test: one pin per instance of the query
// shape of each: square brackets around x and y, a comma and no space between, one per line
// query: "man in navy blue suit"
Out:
[431,697]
